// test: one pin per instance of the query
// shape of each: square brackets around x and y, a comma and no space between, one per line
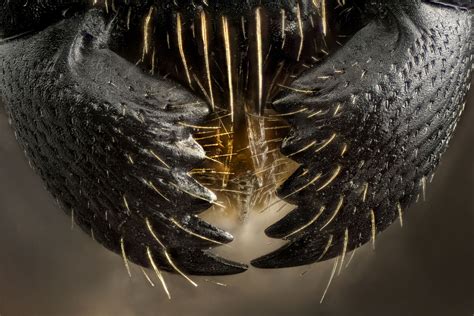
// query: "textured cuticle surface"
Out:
[143,115]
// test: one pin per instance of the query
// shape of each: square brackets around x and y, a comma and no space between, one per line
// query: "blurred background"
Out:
[424,268]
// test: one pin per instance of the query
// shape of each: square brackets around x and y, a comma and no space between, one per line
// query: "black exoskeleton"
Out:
[116,108]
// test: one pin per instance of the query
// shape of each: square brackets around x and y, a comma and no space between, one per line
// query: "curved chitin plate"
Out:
[113,145]
[375,118]
[140,115]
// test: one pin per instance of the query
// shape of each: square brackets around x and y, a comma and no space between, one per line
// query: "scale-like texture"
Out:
[378,115]
[115,147]
[112,145]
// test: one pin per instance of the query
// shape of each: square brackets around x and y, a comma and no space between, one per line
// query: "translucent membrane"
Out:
[237,56]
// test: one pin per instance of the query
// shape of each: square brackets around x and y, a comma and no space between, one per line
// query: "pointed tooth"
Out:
[293,221]
[203,231]
[304,250]
[187,152]
[199,262]
[287,102]
[297,186]
[193,189]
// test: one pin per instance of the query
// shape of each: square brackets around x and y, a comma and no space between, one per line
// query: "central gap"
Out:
[238,63]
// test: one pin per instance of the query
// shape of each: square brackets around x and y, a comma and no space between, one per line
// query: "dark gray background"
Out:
[426,268]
